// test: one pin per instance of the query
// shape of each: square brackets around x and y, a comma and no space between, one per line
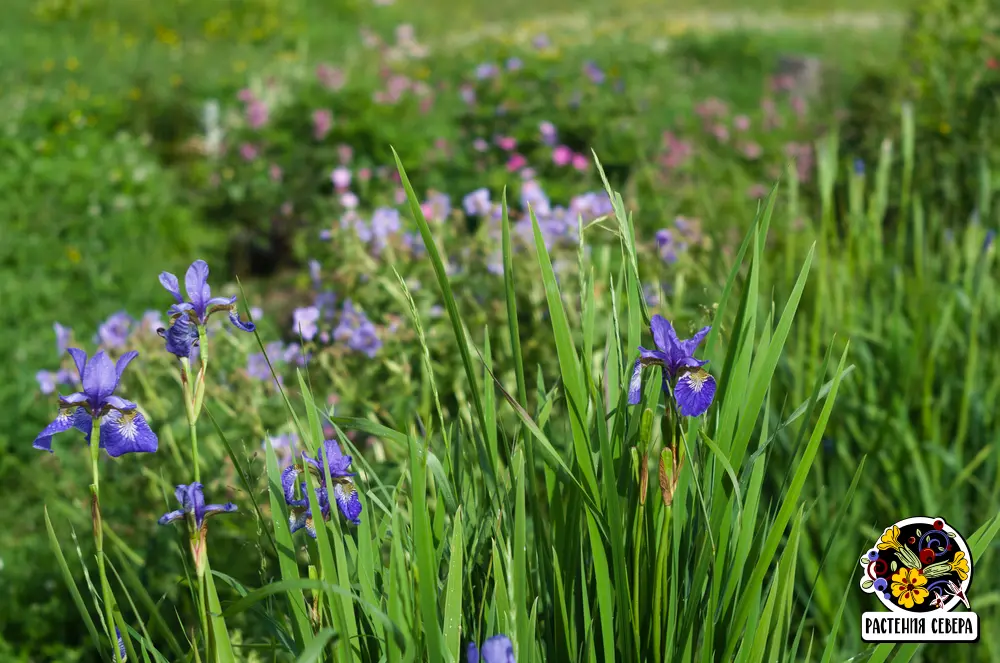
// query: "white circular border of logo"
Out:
[958,539]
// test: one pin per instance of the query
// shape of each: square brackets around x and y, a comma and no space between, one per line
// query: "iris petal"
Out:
[80,359]
[347,501]
[635,384]
[127,432]
[694,392]
[171,517]
[62,423]
[234,318]
[498,649]
[169,281]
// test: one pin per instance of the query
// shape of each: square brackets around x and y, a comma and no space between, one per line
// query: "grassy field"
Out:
[482,388]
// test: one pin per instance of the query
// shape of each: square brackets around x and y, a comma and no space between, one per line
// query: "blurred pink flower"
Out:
[322,122]
[365,174]
[757,191]
[741,122]
[468,94]
[751,150]
[799,106]
[516,162]
[330,77]
[581,162]
[771,118]
[507,143]
[275,172]
[345,153]
[287,208]
[711,108]
[248,151]
[341,177]
[400,195]
[349,200]
[257,114]
[480,145]
[245,95]
[721,132]
[562,155]
[677,150]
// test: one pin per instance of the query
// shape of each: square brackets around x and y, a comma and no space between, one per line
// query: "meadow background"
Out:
[854,311]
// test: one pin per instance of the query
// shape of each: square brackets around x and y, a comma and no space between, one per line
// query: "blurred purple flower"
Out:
[549,133]
[357,331]
[581,162]
[63,336]
[113,332]
[486,70]
[477,203]
[593,72]
[666,245]
[507,143]
[514,64]
[480,145]
[304,322]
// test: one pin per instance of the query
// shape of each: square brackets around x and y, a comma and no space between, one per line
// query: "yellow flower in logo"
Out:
[890,539]
[960,565]
[908,587]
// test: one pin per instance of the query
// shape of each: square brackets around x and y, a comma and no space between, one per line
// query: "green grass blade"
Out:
[453,592]
[427,584]
[70,582]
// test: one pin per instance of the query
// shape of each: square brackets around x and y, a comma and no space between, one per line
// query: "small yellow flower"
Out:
[73,254]
[135,94]
[167,36]
[908,587]
[72,64]
[944,128]
[890,539]
[675,28]
[960,565]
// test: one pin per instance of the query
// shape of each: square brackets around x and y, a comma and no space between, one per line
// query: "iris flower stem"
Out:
[194,450]
[95,509]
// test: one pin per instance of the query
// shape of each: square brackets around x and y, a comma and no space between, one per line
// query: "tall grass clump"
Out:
[654,500]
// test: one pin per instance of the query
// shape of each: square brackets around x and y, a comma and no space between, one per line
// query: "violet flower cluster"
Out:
[331,458]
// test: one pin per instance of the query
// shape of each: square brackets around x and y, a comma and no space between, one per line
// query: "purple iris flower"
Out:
[181,337]
[123,429]
[192,501]
[344,491]
[693,386]
[201,304]
[497,649]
